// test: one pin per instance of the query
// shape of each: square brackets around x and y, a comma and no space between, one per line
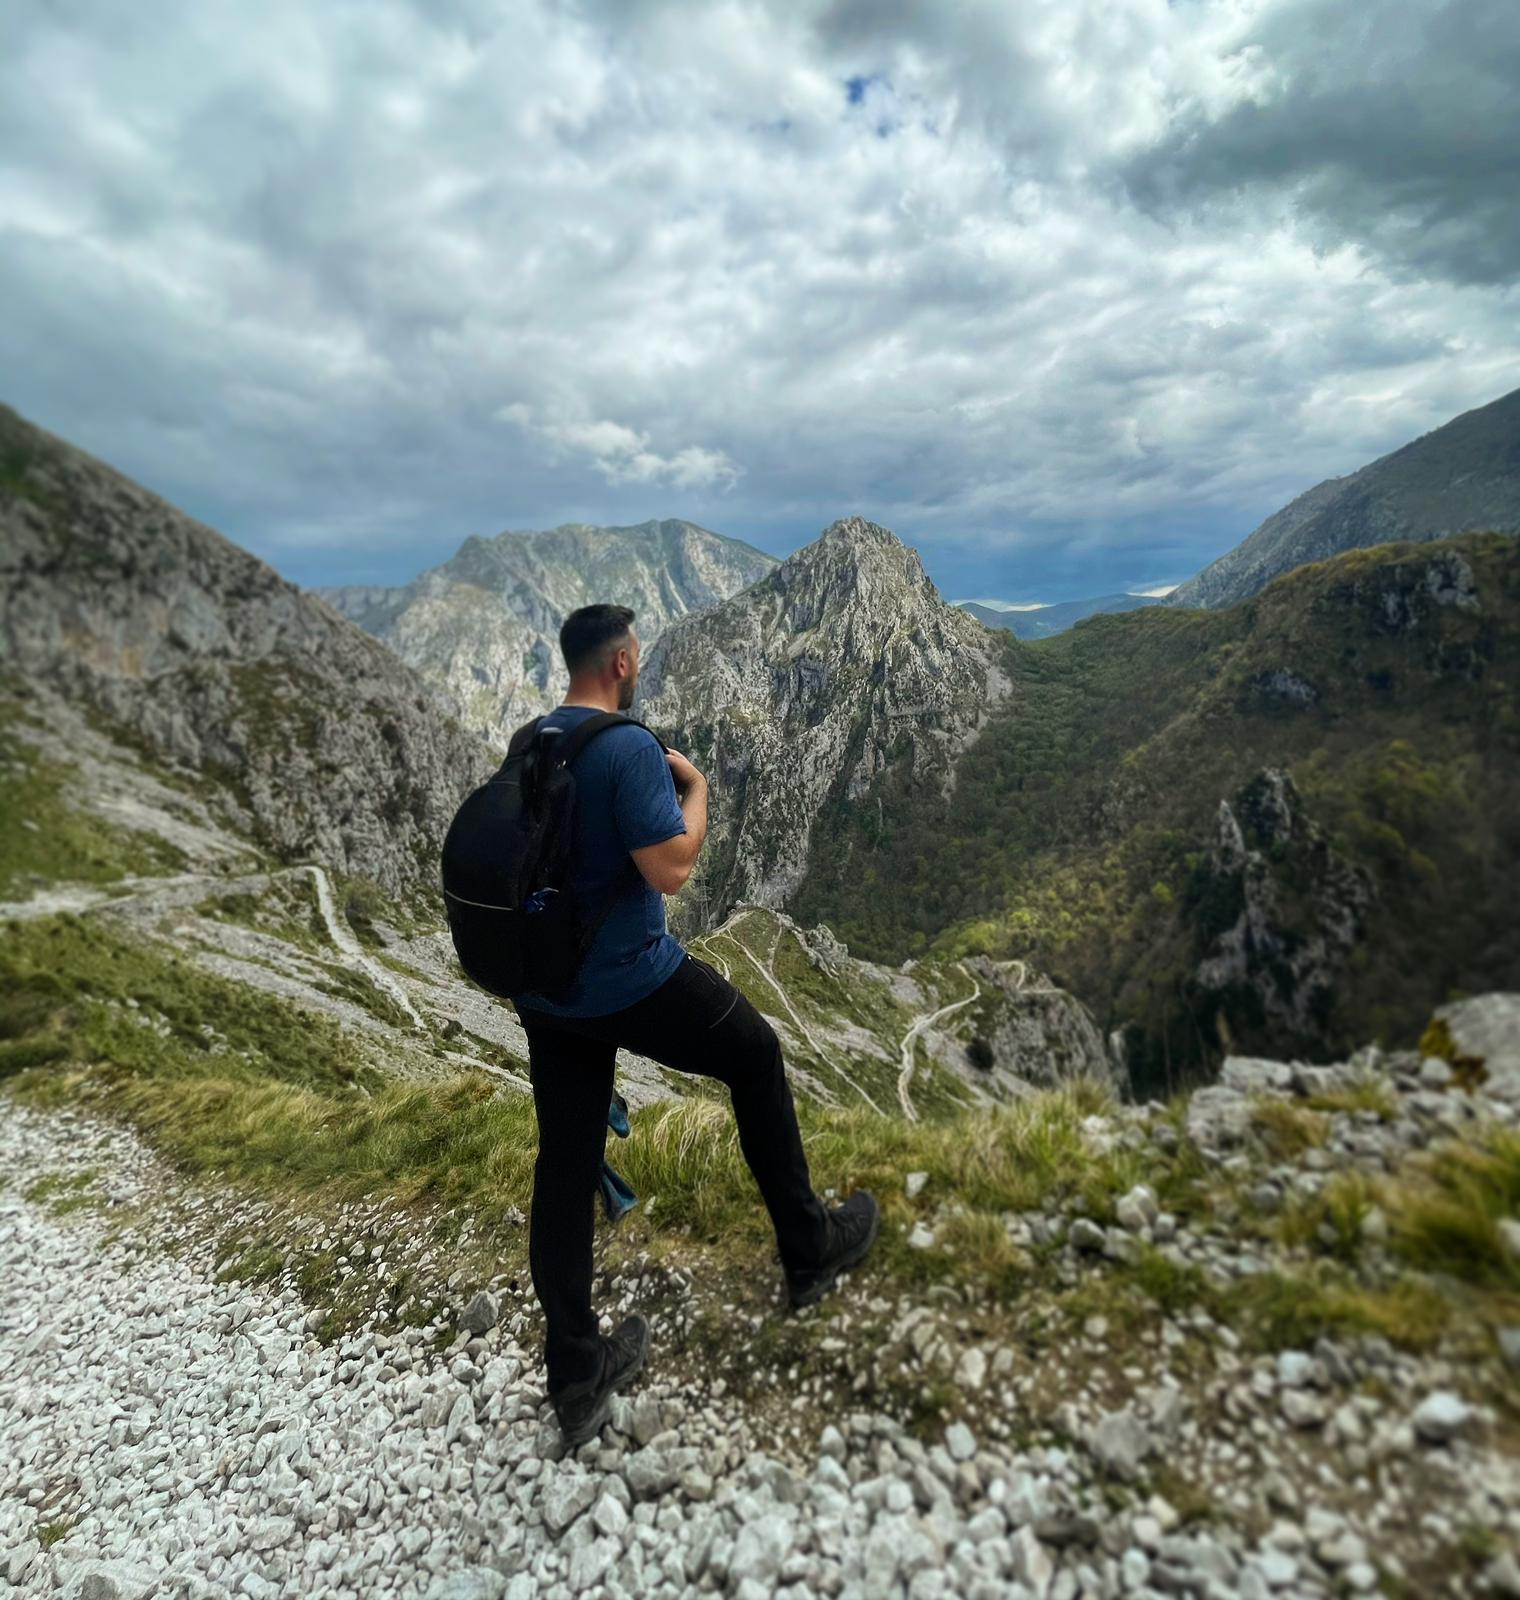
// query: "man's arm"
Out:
[667,865]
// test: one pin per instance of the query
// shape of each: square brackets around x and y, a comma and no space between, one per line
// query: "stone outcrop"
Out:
[321,742]
[1480,1039]
[1035,1032]
[799,693]
[1280,912]
[483,628]
[1460,477]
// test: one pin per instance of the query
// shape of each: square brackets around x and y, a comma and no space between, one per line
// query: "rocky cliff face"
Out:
[1463,476]
[1279,910]
[483,627]
[322,742]
[796,695]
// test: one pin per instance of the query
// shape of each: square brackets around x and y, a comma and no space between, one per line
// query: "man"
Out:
[640,819]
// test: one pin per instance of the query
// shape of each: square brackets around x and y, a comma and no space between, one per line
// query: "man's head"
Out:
[601,650]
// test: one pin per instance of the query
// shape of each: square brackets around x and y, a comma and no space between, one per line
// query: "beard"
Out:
[625,692]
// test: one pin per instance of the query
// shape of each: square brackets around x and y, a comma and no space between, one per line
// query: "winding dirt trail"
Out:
[910,1043]
[79,897]
[1021,977]
[347,944]
[59,897]
[767,970]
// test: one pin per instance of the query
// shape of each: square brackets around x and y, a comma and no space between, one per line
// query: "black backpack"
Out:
[506,866]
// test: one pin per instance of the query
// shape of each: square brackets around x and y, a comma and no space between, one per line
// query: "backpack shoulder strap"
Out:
[569,745]
[516,746]
[524,736]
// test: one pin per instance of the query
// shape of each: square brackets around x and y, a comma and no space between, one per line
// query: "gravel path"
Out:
[910,1043]
[767,970]
[191,1438]
[353,953]
[163,1434]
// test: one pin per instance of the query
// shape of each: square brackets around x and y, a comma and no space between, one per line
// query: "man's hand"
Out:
[682,772]
[666,866]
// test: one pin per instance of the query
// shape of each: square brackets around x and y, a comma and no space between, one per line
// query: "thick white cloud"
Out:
[1068,294]
[623,456]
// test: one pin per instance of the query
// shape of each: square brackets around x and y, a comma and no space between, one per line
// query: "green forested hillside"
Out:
[1084,829]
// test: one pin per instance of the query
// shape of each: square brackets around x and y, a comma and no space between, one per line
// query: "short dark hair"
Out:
[587,633]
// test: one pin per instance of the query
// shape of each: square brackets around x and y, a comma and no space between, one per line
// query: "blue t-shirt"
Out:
[625,798]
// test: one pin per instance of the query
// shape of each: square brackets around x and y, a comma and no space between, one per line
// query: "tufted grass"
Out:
[1446,1212]
[1288,1129]
[260,1093]
[1366,1095]
[48,837]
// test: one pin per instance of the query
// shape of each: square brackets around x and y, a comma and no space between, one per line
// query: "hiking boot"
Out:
[583,1407]
[852,1232]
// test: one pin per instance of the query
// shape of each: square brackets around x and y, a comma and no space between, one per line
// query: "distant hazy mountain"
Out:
[483,627]
[1046,620]
[312,736]
[1463,476]
[797,694]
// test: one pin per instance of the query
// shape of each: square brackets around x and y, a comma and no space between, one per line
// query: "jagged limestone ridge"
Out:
[796,694]
[483,627]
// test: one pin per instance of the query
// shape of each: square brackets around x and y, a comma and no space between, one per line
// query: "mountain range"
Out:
[1462,476]
[1275,826]
[1043,621]
[247,795]
[483,627]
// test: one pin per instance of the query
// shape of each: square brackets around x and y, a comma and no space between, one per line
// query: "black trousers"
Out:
[696,1022]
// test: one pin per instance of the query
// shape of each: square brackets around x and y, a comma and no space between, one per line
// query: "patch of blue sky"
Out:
[857,88]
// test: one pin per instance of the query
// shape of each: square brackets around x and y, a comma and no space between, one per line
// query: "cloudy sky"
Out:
[1070,295]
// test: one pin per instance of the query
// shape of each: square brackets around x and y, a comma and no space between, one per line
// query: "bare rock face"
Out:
[796,694]
[320,739]
[1480,1038]
[1036,1032]
[483,628]
[1460,477]
[1282,912]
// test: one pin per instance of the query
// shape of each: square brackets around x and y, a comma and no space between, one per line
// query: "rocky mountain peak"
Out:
[858,533]
[482,628]
[803,690]
[856,575]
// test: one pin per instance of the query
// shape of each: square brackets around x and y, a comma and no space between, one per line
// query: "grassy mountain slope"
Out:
[1085,827]
[307,733]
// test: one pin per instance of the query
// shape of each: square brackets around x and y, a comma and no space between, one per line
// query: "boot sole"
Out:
[596,1421]
[813,1294]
